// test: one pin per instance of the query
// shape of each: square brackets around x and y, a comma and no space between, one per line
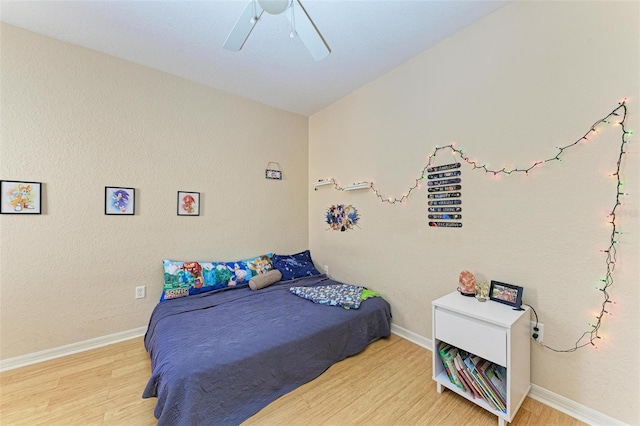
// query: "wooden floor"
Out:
[389,383]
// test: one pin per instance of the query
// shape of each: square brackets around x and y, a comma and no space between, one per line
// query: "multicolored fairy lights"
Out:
[617,117]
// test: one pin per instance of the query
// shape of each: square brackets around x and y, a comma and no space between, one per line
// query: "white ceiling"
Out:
[367,38]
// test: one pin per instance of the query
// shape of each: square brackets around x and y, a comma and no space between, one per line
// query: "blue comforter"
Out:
[218,358]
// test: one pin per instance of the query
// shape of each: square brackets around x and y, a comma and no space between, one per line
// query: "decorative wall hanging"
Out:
[617,117]
[119,200]
[446,224]
[444,209]
[20,197]
[445,188]
[445,195]
[188,203]
[441,184]
[444,202]
[341,217]
[274,172]
[445,216]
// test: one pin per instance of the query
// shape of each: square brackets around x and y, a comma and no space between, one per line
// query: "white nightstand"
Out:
[490,330]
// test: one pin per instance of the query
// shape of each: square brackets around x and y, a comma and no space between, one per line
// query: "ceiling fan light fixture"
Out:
[274,7]
[302,27]
[254,18]
[293,32]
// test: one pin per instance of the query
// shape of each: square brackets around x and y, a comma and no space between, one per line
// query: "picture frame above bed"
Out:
[19,197]
[119,200]
[188,203]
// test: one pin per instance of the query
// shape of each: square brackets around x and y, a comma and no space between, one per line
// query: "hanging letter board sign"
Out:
[273,172]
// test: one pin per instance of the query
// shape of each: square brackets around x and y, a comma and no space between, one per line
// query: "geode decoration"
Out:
[467,284]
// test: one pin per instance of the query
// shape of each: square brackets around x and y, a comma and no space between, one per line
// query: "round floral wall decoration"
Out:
[341,217]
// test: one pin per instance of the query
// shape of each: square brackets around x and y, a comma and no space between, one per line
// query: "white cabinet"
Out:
[492,331]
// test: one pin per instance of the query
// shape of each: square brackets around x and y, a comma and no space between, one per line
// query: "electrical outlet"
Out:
[326,270]
[539,332]
[141,292]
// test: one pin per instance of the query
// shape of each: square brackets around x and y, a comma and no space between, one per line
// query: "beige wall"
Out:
[78,121]
[509,90]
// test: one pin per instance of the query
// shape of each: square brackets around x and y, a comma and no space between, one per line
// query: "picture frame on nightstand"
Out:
[507,294]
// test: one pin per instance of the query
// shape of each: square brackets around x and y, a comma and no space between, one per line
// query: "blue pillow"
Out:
[295,265]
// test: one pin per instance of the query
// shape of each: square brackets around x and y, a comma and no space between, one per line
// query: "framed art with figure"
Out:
[19,197]
[119,200]
[188,203]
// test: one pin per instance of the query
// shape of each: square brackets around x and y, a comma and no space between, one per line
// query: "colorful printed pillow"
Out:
[244,270]
[183,279]
[295,265]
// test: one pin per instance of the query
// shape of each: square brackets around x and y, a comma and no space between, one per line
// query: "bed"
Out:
[220,357]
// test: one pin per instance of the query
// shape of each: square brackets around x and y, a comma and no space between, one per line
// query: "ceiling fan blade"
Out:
[309,34]
[240,32]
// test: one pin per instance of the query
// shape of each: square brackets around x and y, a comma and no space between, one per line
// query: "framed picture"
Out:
[188,203]
[20,197]
[506,293]
[119,200]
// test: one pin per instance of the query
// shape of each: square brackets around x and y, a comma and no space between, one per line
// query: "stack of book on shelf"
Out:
[476,376]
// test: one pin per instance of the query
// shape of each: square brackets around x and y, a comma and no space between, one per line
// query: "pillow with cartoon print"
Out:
[295,265]
[244,270]
[186,278]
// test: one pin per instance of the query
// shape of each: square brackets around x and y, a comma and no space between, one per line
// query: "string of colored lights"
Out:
[617,116]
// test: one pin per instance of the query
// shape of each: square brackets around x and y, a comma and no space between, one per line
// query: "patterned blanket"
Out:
[345,295]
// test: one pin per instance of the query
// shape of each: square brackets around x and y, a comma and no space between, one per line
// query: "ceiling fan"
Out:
[301,25]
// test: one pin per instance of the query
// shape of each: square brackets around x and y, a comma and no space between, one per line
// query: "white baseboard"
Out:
[35,357]
[571,408]
[558,402]
[412,337]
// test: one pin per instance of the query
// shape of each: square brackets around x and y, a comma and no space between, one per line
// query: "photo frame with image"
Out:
[20,197]
[188,203]
[119,200]
[506,293]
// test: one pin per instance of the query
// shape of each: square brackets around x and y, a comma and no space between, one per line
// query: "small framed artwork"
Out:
[506,293]
[119,200]
[188,203]
[20,197]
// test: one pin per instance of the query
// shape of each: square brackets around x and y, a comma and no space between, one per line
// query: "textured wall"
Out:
[78,121]
[509,90]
